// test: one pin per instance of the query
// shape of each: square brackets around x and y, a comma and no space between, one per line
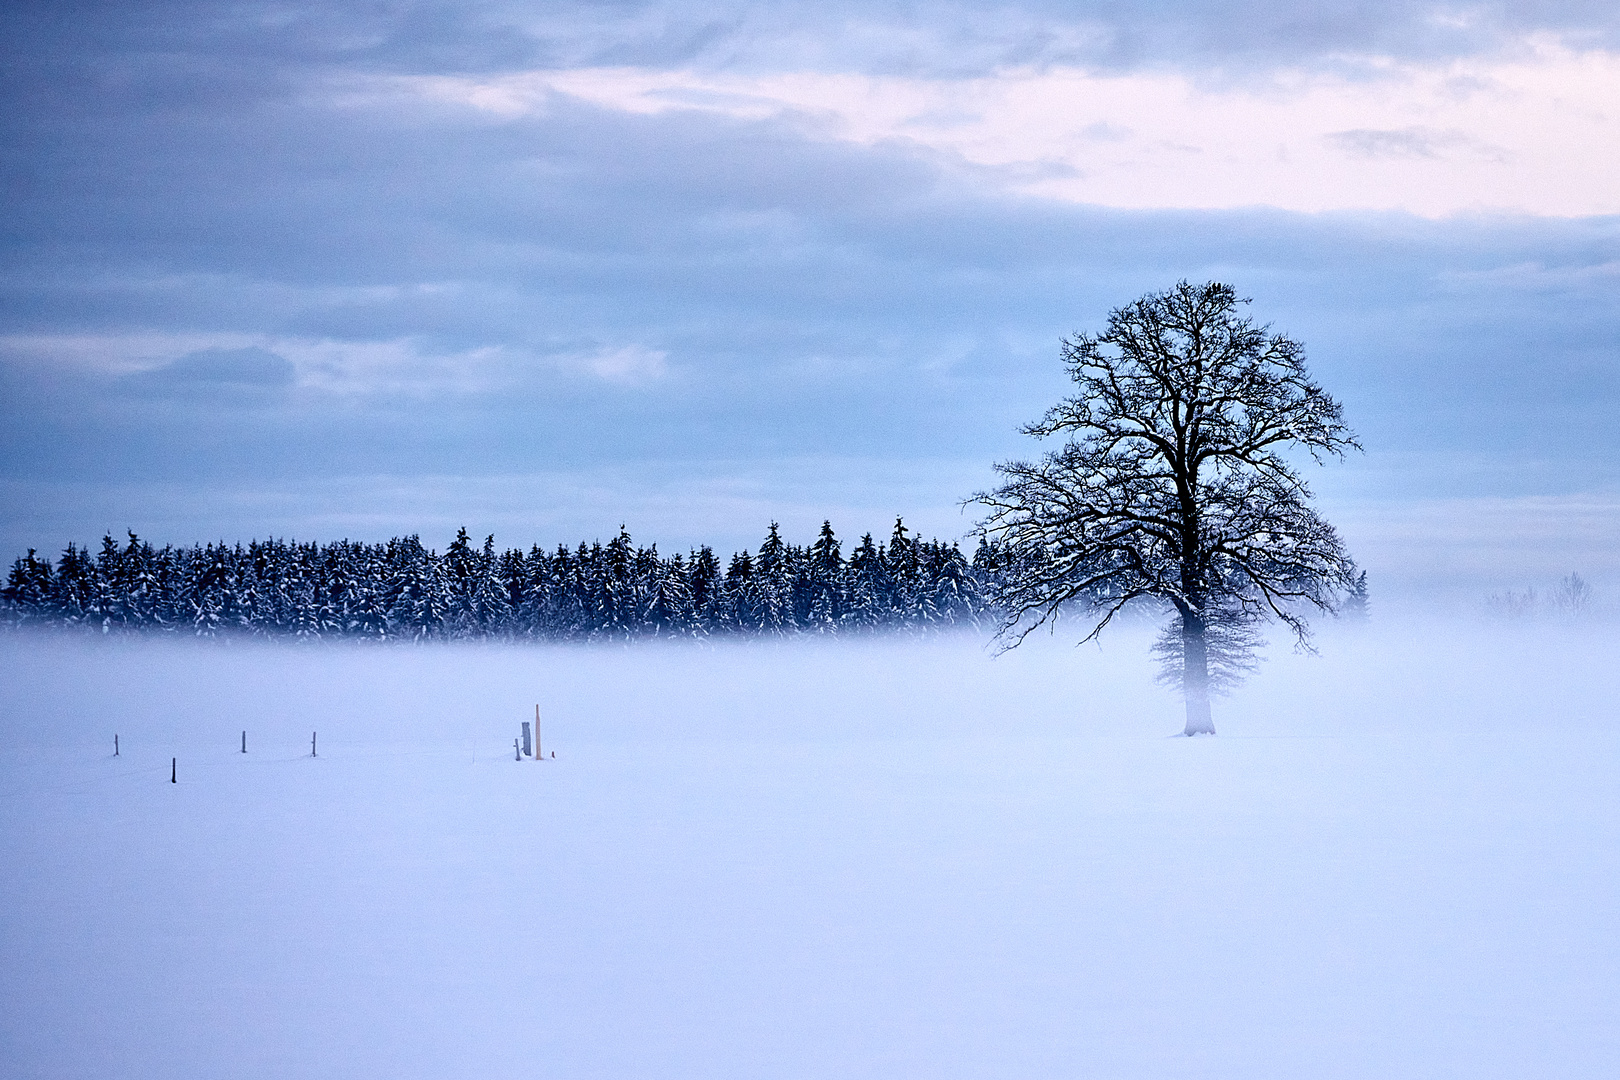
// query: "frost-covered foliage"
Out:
[401,589]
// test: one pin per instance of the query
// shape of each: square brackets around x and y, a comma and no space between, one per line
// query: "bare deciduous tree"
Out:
[1172,485]
[1573,596]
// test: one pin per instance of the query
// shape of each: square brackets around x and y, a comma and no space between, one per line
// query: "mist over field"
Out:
[886,857]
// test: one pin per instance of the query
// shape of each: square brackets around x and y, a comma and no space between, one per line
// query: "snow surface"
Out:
[878,859]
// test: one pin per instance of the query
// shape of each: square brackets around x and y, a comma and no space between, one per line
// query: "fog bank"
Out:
[880,858]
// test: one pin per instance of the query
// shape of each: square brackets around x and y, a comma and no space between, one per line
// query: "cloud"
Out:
[247,367]
[626,365]
[1525,125]
[1528,133]
[255,42]
[1413,142]
[219,378]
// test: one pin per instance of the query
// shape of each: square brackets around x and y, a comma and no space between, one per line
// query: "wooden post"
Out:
[537,753]
[244,742]
[174,769]
[312,744]
[517,755]
[528,739]
[115,745]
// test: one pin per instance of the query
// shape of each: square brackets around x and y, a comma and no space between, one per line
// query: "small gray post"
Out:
[517,755]
[527,744]
[174,769]
[312,744]
[244,742]
[115,746]
[537,752]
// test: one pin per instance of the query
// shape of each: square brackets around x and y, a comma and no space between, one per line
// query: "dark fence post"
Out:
[174,770]
[312,744]
[244,742]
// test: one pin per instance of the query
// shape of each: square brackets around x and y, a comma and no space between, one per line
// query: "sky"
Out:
[358,270]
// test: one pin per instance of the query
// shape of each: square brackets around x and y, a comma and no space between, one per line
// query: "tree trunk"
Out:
[1195,675]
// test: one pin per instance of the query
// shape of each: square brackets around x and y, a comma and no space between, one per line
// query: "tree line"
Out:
[401,589]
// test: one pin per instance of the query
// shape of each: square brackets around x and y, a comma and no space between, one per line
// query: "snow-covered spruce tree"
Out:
[704,578]
[869,586]
[773,582]
[461,569]
[30,592]
[740,604]
[819,600]
[78,587]
[900,559]
[1357,605]
[1171,486]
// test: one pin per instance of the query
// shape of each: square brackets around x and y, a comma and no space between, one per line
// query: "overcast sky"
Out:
[329,270]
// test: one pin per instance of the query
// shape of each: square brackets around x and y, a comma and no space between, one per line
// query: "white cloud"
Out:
[625,365]
[1535,132]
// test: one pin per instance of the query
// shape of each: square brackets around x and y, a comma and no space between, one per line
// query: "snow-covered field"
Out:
[886,860]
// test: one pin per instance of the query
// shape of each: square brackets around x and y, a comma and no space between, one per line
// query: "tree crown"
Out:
[1172,483]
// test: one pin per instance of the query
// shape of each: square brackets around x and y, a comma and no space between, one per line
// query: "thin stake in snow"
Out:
[244,742]
[517,755]
[115,745]
[312,744]
[527,742]
[174,769]
[537,754]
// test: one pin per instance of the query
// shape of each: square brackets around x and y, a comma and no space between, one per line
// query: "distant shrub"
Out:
[1572,598]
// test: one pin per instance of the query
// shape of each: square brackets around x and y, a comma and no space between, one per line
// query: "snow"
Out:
[858,859]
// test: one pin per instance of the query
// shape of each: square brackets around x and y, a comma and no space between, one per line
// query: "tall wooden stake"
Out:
[517,755]
[312,744]
[537,733]
[174,769]
[115,746]
[244,742]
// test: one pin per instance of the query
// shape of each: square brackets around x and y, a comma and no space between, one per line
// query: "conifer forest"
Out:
[403,590]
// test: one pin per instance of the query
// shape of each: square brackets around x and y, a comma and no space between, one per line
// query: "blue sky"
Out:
[357,270]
